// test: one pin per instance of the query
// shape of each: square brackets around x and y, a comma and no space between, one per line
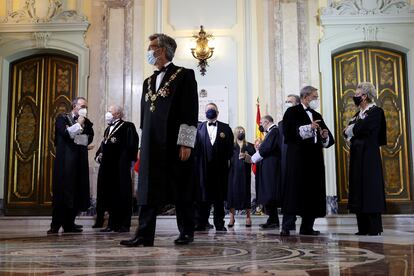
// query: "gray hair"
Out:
[213,104]
[297,98]
[268,118]
[167,42]
[306,91]
[75,101]
[368,89]
[119,110]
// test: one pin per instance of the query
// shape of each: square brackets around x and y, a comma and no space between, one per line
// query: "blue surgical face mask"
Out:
[211,114]
[151,57]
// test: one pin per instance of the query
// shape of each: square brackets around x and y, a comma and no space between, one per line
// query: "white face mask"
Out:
[151,57]
[83,112]
[109,118]
[314,104]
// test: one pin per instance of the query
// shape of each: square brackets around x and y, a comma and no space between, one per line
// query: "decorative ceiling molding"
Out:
[366,7]
[53,14]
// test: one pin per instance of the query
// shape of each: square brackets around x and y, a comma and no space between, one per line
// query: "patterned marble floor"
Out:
[25,249]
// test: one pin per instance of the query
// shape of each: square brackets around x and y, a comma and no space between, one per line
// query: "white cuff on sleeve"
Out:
[187,136]
[306,132]
[256,157]
[74,130]
[349,131]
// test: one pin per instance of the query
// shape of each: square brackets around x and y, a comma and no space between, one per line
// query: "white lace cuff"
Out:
[349,132]
[306,132]
[256,157]
[74,130]
[187,136]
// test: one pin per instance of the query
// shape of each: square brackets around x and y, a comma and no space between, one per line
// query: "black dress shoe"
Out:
[284,233]
[184,239]
[359,233]
[309,232]
[72,230]
[123,229]
[107,230]
[269,225]
[374,234]
[137,241]
[221,229]
[52,231]
[210,226]
[77,226]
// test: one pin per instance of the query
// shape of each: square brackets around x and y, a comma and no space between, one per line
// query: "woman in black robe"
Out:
[366,132]
[239,194]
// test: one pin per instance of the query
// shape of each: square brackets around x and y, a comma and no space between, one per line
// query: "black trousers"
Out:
[203,213]
[271,211]
[120,214]
[148,216]
[307,223]
[63,216]
[288,222]
[370,223]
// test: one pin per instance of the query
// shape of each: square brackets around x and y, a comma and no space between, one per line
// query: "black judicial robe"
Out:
[163,178]
[239,189]
[283,152]
[71,167]
[366,181]
[305,192]
[213,162]
[268,188]
[119,149]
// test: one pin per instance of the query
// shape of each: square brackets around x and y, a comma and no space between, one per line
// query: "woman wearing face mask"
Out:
[366,132]
[239,195]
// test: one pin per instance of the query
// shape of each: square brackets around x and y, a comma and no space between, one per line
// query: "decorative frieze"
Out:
[366,7]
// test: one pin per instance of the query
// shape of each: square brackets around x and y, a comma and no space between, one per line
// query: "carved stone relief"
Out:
[365,7]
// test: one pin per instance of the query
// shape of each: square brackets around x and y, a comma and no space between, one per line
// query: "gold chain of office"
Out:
[164,91]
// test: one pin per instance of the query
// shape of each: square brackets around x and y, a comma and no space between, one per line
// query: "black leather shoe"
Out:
[137,241]
[123,229]
[284,233]
[107,230]
[269,225]
[309,232]
[78,226]
[374,234]
[210,226]
[52,231]
[361,233]
[184,239]
[221,229]
[72,230]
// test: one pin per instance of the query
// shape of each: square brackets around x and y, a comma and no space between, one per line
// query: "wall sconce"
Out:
[202,52]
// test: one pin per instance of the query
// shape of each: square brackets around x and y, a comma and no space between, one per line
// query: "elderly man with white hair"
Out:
[117,152]
[366,132]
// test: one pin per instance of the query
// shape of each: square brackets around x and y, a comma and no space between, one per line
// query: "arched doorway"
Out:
[41,86]
[386,69]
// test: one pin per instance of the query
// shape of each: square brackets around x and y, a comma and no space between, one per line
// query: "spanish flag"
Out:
[259,135]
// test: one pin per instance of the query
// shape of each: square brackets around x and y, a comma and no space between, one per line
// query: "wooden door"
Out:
[40,88]
[386,70]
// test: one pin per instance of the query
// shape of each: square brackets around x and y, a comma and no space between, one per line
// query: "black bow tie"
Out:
[308,109]
[157,72]
[75,118]
[212,124]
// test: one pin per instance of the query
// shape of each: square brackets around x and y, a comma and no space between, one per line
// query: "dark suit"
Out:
[163,178]
[71,174]
[304,192]
[366,180]
[213,168]
[114,193]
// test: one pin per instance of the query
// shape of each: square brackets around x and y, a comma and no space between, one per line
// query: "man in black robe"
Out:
[214,150]
[73,134]
[267,159]
[366,133]
[306,134]
[116,155]
[169,111]
[288,221]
